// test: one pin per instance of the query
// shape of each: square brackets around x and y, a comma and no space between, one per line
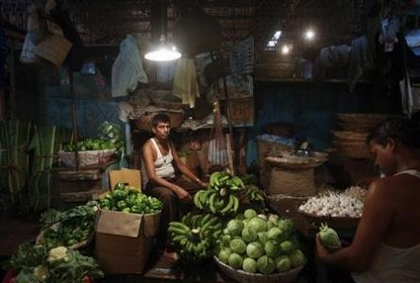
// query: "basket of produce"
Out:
[289,160]
[129,199]
[338,210]
[67,235]
[87,158]
[247,277]
[91,151]
[73,228]
[260,248]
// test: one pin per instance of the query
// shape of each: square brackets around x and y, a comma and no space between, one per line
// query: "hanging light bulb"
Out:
[163,51]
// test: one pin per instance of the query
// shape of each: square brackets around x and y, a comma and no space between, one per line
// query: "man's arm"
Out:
[371,231]
[184,168]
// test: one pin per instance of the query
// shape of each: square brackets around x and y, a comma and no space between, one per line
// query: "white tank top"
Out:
[163,164]
[393,265]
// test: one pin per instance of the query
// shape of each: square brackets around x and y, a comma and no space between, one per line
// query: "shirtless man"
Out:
[386,246]
[161,161]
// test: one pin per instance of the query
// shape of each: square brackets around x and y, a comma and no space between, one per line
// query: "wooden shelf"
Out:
[307,81]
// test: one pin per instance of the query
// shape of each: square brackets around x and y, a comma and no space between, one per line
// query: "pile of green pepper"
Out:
[130,200]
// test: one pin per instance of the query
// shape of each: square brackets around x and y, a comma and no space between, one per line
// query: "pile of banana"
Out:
[222,195]
[195,236]
[254,193]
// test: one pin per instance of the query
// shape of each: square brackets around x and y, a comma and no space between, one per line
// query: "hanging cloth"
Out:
[185,83]
[217,154]
[127,70]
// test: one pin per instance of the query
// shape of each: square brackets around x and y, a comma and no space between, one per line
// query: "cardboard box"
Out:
[123,241]
[130,177]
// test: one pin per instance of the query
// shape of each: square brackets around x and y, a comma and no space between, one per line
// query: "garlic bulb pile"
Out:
[333,205]
[356,192]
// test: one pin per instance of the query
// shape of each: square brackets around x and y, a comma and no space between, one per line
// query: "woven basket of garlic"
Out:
[337,209]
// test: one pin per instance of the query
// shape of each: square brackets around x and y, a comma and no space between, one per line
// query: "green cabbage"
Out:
[272,248]
[265,264]
[249,235]
[224,255]
[254,250]
[287,246]
[250,213]
[329,237]
[283,263]
[235,227]
[263,237]
[257,224]
[297,258]
[275,233]
[235,260]
[237,246]
[249,265]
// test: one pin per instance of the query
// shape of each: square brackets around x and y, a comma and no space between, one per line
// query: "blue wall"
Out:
[312,106]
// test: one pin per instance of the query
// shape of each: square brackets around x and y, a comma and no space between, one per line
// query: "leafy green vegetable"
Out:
[329,237]
[283,263]
[235,260]
[35,263]
[249,265]
[265,264]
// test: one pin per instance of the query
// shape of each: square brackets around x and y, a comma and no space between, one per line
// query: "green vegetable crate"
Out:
[123,241]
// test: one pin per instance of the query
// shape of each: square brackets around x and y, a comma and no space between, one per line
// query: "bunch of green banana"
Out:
[223,179]
[255,196]
[216,202]
[254,193]
[222,195]
[194,237]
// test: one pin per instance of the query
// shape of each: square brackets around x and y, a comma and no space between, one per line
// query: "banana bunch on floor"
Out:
[255,195]
[222,195]
[195,236]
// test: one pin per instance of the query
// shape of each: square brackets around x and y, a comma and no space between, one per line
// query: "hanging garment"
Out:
[185,82]
[360,60]
[127,70]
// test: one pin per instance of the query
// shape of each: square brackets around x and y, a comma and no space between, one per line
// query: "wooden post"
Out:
[229,154]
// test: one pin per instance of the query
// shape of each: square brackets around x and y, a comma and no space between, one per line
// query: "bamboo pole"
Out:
[74,117]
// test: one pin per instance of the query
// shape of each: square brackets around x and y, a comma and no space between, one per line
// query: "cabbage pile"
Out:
[260,244]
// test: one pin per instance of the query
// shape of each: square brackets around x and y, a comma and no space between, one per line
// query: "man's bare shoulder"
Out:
[382,187]
[394,185]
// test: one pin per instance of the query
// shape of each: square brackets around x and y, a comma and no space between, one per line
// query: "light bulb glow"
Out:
[309,34]
[163,53]
[285,50]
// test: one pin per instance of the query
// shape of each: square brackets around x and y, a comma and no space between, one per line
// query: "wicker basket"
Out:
[353,149]
[350,136]
[290,161]
[296,183]
[145,122]
[160,99]
[53,48]
[288,206]
[87,158]
[360,122]
[246,277]
[266,148]
[40,238]
[333,222]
